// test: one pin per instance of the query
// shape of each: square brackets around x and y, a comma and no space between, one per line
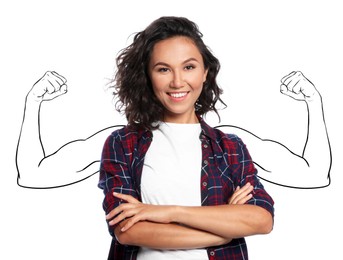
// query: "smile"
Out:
[177,94]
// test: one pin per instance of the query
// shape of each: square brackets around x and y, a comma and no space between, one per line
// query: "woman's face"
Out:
[177,73]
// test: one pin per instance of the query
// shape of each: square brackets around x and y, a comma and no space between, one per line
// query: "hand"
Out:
[137,211]
[48,87]
[241,195]
[297,86]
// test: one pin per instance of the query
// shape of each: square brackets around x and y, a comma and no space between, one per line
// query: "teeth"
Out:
[178,95]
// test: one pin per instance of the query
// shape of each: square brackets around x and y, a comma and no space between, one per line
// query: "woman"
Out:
[171,182]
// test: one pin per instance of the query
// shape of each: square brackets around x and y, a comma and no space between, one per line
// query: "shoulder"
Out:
[231,146]
[228,139]
[217,135]
[127,136]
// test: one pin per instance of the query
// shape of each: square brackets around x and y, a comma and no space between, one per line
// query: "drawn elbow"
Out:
[325,181]
[317,179]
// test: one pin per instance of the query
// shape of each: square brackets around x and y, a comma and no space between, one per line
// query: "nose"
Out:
[177,80]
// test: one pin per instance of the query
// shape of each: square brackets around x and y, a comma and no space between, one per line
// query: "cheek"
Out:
[198,82]
[158,89]
[158,83]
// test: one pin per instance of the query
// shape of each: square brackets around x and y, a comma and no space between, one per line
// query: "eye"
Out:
[162,69]
[189,67]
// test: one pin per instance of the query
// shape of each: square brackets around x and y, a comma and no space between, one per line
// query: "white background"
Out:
[257,42]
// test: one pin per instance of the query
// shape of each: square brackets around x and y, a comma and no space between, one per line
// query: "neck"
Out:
[184,119]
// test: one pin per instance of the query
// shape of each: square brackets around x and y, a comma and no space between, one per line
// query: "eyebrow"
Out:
[160,63]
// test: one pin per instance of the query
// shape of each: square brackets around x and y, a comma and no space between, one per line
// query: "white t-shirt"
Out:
[171,176]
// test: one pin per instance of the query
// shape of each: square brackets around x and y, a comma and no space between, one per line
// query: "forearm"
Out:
[230,221]
[29,150]
[317,150]
[167,236]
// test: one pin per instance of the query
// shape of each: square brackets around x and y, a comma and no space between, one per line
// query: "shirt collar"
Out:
[207,130]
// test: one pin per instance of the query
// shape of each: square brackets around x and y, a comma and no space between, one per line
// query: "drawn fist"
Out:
[297,86]
[48,87]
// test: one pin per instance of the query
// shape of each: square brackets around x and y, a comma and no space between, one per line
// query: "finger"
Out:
[244,189]
[132,214]
[51,85]
[61,91]
[55,81]
[114,212]
[54,78]
[243,196]
[63,79]
[242,193]
[294,86]
[121,212]
[122,216]
[292,81]
[131,202]
[119,209]
[129,224]
[285,91]
[237,192]
[116,220]
[287,77]
[243,200]
[125,197]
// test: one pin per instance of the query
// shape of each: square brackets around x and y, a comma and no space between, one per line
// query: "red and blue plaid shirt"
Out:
[226,164]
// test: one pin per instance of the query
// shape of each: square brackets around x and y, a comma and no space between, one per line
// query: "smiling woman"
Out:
[177,74]
[138,64]
[176,188]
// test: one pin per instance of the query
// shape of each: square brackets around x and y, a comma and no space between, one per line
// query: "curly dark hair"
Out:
[132,84]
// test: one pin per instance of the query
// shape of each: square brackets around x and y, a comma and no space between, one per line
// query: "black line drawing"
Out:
[79,159]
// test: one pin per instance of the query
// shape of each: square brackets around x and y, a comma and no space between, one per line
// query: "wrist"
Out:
[314,99]
[176,214]
[33,99]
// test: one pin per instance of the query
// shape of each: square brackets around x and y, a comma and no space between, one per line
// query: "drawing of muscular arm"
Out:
[79,159]
[72,162]
[278,164]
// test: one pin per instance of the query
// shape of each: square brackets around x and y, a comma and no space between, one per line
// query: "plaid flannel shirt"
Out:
[226,164]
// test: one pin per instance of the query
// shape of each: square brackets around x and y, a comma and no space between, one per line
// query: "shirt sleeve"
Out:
[247,173]
[115,173]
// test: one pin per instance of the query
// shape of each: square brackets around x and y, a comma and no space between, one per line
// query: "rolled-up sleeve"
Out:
[248,174]
[115,175]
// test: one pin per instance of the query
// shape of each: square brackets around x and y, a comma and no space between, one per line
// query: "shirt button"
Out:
[205,145]
[204,184]
[206,162]
[212,253]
